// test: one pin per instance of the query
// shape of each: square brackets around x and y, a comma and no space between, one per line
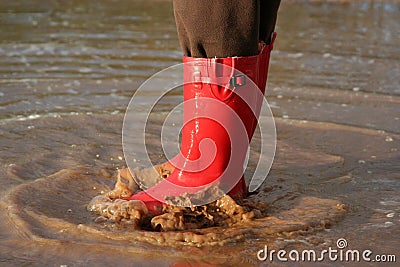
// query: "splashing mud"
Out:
[224,212]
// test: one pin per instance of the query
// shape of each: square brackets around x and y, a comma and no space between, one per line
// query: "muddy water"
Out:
[69,68]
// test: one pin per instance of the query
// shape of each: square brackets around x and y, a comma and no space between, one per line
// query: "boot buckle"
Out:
[238,80]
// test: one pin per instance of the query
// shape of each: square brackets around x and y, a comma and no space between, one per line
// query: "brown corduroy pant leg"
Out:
[224,28]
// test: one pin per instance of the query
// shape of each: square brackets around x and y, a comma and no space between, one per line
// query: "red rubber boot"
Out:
[223,98]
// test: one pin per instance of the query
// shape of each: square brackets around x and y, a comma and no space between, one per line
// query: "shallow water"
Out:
[69,68]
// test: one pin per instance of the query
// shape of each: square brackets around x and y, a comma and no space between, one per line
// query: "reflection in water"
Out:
[69,68]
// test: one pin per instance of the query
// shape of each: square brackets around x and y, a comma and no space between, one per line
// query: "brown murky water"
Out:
[69,68]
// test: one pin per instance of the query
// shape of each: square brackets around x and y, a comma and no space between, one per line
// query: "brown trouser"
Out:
[224,28]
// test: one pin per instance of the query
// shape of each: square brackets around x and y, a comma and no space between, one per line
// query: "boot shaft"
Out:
[226,78]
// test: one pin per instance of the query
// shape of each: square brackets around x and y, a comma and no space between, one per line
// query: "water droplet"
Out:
[388,139]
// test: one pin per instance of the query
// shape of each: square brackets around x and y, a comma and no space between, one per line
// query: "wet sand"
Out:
[66,79]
